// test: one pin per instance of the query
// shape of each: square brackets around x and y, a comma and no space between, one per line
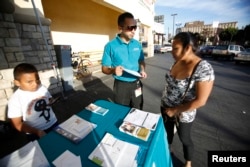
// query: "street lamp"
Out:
[178,27]
[173,21]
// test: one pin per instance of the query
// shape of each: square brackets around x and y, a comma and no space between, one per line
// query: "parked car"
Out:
[227,51]
[168,47]
[145,48]
[242,56]
[159,49]
[206,51]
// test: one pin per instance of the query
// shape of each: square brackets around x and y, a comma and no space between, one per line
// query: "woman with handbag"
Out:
[188,86]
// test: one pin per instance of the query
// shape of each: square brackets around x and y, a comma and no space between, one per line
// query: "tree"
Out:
[224,35]
[228,34]
[247,36]
[232,31]
[239,37]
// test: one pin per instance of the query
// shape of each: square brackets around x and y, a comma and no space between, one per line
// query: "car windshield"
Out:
[168,45]
[221,47]
[144,44]
[247,49]
[157,46]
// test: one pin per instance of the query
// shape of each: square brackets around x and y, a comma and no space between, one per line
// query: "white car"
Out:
[159,49]
[227,51]
[167,47]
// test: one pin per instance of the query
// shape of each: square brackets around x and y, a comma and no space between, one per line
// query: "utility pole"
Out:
[173,22]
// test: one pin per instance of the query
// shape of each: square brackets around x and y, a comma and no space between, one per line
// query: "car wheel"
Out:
[214,57]
[236,62]
[231,58]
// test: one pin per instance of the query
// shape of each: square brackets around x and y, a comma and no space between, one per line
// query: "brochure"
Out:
[142,118]
[75,128]
[135,73]
[96,109]
[134,130]
[113,152]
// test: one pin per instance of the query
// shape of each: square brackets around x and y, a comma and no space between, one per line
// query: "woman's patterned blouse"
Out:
[175,89]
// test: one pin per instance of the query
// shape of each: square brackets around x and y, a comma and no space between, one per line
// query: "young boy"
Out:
[29,108]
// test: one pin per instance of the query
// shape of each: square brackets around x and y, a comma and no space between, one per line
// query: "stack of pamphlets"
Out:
[75,128]
[29,155]
[97,109]
[113,152]
[139,123]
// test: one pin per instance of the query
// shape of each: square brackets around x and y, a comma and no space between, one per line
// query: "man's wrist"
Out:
[112,70]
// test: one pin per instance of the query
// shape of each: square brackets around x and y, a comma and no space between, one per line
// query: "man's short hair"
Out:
[123,16]
[23,68]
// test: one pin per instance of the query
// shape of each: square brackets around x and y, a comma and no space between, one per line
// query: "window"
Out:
[231,47]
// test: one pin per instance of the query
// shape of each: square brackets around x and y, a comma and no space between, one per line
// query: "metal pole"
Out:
[47,47]
[173,21]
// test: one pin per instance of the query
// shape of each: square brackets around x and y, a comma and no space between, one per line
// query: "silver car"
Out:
[242,56]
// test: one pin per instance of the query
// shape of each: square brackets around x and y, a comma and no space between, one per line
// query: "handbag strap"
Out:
[189,81]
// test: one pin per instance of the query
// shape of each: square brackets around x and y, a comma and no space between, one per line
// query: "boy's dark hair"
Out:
[122,18]
[22,69]
[187,38]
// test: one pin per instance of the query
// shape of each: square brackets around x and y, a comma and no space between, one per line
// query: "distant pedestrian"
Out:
[29,108]
[188,86]
[125,53]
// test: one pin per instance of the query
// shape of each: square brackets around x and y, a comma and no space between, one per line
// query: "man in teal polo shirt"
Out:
[122,55]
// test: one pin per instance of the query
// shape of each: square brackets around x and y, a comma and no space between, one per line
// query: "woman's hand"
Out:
[171,112]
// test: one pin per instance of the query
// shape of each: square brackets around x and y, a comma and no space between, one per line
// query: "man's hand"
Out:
[143,74]
[118,70]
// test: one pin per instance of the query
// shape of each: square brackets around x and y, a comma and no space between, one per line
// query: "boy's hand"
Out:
[53,100]
[41,133]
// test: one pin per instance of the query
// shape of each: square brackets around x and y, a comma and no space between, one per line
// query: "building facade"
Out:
[208,30]
[29,32]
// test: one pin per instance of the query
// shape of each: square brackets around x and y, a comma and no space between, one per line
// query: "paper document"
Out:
[142,118]
[112,152]
[75,128]
[97,109]
[67,159]
[29,155]
[135,73]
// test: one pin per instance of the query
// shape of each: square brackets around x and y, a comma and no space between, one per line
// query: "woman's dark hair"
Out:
[23,68]
[122,18]
[187,38]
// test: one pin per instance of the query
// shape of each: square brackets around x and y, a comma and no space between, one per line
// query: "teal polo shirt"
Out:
[119,53]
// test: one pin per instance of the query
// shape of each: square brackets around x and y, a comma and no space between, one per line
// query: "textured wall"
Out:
[21,41]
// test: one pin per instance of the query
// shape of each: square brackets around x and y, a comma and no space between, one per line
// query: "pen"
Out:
[132,110]
[153,126]
[144,120]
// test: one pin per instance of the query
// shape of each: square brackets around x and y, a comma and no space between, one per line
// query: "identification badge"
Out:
[138,92]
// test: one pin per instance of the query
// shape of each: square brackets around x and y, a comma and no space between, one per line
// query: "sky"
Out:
[208,11]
